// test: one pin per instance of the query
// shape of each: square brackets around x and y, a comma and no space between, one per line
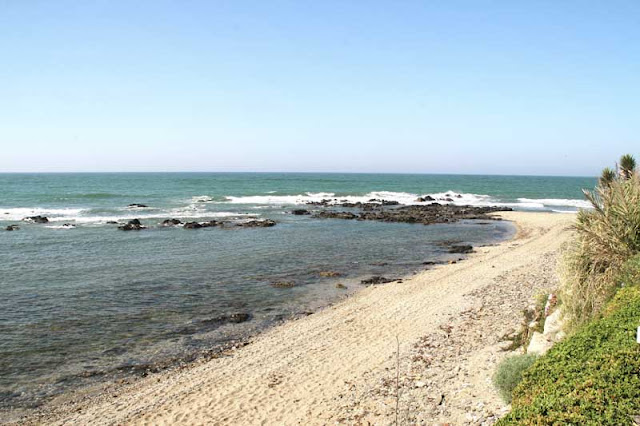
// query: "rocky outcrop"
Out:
[462,249]
[264,223]
[198,225]
[552,333]
[136,205]
[132,225]
[283,284]
[300,212]
[378,280]
[425,199]
[426,215]
[171,222]
[12,228]
[36,219]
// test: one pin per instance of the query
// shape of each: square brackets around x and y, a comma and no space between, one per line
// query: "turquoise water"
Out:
[83,301]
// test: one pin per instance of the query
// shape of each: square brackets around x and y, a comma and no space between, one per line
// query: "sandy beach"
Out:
[339,365]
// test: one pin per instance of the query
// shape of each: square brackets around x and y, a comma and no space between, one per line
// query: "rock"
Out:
[538,344]
[170,222]
[138,205]
[68,225]
[463,249]
[36,219]
[377,280]
[553,326]
[425,199]
[132,225]
[283,284]
[12,228]
[198,225]
[264,223]
[336,215]
[300,212]
[239,317]
[112,222]
[327,274]
[341,286]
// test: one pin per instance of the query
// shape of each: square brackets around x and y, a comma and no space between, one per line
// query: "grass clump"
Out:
[509,374]
[593,377]
[607,236]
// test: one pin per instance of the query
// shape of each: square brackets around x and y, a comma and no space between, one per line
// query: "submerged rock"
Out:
[328,274]
[138,205]
[463,249]
[198,225]
[378,280]
[36,219]
[283,284]
[300,212]
[12,228]
[132,225]
[264,223]
[336,215]
[171,222]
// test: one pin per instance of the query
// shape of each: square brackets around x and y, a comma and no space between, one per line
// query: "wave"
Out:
[407,198]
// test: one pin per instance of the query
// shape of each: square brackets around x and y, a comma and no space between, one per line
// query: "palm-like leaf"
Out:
[627,166]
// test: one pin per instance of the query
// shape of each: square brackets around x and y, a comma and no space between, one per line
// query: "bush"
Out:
[509,374]
[607,236]
[593,377]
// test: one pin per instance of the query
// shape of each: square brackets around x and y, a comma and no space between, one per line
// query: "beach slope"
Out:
[339,364]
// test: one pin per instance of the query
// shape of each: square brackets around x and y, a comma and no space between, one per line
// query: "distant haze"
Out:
[542,88]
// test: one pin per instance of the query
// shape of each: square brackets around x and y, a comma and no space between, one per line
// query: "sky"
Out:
[474,87]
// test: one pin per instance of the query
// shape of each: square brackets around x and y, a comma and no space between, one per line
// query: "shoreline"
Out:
[258,381]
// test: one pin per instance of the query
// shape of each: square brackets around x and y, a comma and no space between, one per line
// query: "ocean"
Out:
[81,301]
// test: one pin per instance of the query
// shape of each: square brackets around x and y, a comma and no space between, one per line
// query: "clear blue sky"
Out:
[500,87]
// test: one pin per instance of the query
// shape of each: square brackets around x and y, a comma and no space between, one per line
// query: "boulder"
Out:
[327,274]
[171,222]
[539,344]
[138,205]
[198,225]
[132,225]
[378,280]
[300,212]
[36,219]
[462,249]
[12,228]
[265,223]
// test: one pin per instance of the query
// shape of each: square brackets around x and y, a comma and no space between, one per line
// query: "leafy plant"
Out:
[509,374]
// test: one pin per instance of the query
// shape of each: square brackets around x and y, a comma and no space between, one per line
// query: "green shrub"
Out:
[591,378]
[509,374]
[607,236]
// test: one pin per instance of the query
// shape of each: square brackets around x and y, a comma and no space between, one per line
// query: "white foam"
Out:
[19,213]
[201,199]
[558,202]
[65,226]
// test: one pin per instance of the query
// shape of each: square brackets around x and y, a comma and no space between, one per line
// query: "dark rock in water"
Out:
[425,199]
[235,318]
[336,215]
[328,274]
[378,280]
[171,222]
[239,317]
[12,228]
[324,202]
[300,212]
[449,199]
[132,225]
[283,284]
[112,222]
[198,225]
[265,223]
[138,205]
[458,196]
[461,249]
[68,225]
[36,219]
[192,225]
[425,214]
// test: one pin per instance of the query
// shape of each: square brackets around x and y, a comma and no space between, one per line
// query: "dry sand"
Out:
[339,365]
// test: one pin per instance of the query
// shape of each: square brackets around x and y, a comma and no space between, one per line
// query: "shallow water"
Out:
[77,302]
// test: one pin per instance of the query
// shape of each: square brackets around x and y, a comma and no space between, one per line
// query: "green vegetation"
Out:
[593,377]
[509,374]
[607,236]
